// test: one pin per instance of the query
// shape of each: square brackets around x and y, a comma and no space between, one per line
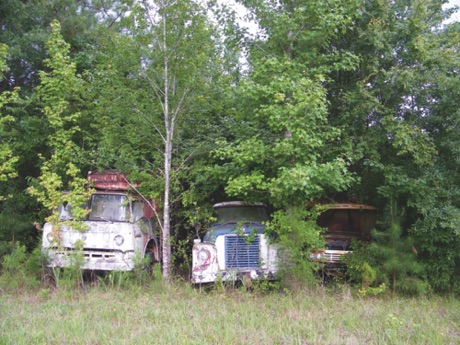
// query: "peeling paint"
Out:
[118,232]
[234,251]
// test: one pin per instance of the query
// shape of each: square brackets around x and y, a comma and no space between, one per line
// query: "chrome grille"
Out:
[334,255]
[241,253]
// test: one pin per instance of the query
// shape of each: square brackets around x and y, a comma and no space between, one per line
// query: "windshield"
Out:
[65,211]
[245,213]
[341,221]
[109,207]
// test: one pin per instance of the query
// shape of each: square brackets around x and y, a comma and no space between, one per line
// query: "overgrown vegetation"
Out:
[21,270]
[390,260]
[296,234]
[336,101]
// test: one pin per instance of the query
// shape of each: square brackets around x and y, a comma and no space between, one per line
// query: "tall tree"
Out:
[7,157]
[179,60]
[285,151]
[398,114]
[24,27]
[58,88]
[287,148]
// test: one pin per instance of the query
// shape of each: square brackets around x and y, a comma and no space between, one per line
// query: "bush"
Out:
[296,233]
[21,269]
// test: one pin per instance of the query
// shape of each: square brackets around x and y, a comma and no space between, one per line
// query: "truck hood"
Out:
[99,235]
[232,228]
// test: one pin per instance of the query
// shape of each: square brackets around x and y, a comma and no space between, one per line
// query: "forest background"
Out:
[333,100]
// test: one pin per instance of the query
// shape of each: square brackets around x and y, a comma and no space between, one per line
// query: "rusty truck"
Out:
[118,232]
[344,222]
[235,247]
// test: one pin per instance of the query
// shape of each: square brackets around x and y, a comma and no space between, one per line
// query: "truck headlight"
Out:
[203,255]
[316,256]
[119,240]
[50,237]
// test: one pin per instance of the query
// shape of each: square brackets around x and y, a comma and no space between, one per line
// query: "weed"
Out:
[372,291]
[264,286]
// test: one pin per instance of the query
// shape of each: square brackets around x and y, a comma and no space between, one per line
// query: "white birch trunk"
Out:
[169,128]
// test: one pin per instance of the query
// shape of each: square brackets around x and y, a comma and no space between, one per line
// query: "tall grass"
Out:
[161,313]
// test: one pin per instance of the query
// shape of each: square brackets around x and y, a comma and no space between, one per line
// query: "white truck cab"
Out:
[119,229]
[235,247]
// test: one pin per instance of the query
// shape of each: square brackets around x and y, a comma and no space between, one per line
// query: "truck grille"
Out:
[334,256]
[240,253]
[331,257]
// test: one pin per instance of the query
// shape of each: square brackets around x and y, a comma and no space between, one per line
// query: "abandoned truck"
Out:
[119,229]
[344,222]
[235,247]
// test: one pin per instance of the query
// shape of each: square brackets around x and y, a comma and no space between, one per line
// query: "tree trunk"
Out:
[169,128]
[166,212]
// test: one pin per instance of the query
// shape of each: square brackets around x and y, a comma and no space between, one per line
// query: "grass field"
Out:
[178,314]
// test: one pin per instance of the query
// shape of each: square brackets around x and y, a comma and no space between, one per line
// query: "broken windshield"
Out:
[109,207]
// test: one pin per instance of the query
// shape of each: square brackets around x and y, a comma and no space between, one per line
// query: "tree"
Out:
[285,152]
[25,29]
[7,157]
[396,257]
[287,147]
[398,114]
[179,62]
[58,88]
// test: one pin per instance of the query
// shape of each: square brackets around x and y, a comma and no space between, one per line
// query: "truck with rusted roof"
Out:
[235,247]
[118,232]
[344,222]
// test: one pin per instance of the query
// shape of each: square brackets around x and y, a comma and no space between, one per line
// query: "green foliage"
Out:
[368,275]
[8,159]
[262,286]
[58,88]
[435,230]
[359,261]
[295,234]
[285,151]
[71,277]
[372,291]
[285,164]
[20,269]
[25,29]
[390,259]
[181,259]
[397,113]
[397,262]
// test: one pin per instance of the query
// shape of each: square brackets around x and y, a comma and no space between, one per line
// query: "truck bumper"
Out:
[232,275]
[93,260]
